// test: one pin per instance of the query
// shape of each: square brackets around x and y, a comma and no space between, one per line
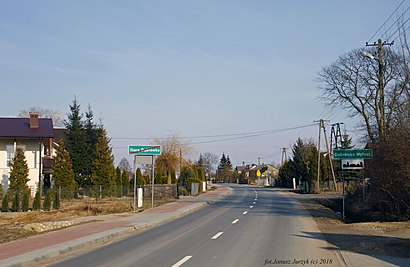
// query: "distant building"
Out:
[248,174]
[35,135]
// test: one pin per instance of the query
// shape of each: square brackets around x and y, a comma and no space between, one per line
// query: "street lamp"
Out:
[367,54]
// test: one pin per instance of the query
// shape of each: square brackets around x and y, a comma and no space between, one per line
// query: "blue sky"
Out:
[190,68]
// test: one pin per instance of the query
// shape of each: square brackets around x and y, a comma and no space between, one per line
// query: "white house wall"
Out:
[32,154]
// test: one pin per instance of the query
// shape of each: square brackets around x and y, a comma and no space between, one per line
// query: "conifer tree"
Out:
[103,171]
[37,201]
[63,175]
[92,134]
[125,182]
[19,172]
[1,191]
[56,202]
[119,182]
[5,203]
[47,201]
[15,206]
[158,178]
[140,179]
[225,168]
[76,144]
[25,201]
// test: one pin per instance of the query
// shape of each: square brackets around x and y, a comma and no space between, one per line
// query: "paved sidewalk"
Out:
[44,246]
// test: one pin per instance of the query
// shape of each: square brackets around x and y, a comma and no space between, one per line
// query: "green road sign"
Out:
[145,150]
[352,154]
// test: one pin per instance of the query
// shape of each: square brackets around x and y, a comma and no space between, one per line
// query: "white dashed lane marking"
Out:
[235,221]
[182,261]
[217,235]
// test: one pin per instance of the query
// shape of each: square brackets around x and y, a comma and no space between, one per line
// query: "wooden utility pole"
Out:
[322,126]
[381,102]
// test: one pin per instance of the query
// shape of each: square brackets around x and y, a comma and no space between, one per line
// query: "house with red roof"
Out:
[35,135]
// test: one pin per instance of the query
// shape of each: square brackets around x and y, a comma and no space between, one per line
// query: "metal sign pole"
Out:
[135,182]
[343,192]
[152,186]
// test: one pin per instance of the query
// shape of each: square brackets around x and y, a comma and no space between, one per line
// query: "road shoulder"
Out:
[380,243]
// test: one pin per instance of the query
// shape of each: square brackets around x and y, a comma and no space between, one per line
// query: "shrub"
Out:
[25,201]
[47,201]
[56,203]
[5,203]
[37,201]
[15,206]
[1,191]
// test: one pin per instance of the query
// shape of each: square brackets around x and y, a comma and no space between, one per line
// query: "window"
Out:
[10,155]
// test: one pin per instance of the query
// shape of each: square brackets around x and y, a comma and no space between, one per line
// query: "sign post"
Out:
[352,159]
[352,154]
[144,150]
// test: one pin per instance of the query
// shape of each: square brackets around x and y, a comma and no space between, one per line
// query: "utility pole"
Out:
[382,124]
[284,156]
[337,135]
[322,126]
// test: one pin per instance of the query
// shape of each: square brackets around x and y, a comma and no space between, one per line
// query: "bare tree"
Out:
[58,117]
[210,161]
[125,165]
[353,83]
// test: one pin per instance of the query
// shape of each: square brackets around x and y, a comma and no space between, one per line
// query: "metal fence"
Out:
[161,191]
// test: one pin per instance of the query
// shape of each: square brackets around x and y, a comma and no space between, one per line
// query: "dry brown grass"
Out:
[12,223]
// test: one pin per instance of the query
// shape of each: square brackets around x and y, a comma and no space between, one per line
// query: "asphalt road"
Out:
[251,227]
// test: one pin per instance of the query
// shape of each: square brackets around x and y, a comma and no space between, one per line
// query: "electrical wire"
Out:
[242,135]
[213,136]
[398,28]
[394,23]
[386,20]
[402,33]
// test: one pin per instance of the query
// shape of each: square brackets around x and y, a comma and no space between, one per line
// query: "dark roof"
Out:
[242,168]
[20,128]
[59,134]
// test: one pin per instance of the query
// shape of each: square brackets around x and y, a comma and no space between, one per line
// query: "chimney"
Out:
[33,120]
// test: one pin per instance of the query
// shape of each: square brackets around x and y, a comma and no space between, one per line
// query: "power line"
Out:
[253,135]
[398,28]
[386,21]
[402,33]
[394,23]
[242,135]
[218,135]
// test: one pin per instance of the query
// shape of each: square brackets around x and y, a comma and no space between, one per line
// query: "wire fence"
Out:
[160,191]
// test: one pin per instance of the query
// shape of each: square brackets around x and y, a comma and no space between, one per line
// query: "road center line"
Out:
[244,212]
[256,199]
[217,235]
[254,202]
[182,261]
[235,221]
[251,207]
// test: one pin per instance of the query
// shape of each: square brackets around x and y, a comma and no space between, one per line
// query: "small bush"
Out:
[5,203]
[47,201]
[15,206]
[37,201]
[25,201]
[56,203]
